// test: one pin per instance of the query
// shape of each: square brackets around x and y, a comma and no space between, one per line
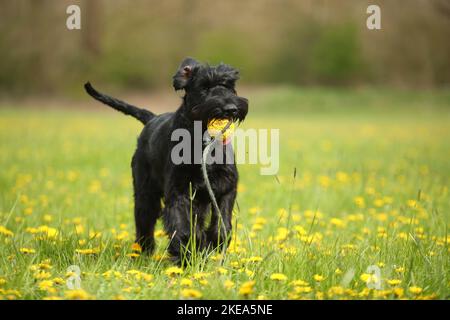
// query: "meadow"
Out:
[359,209]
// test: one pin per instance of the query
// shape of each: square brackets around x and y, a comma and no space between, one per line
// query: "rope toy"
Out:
[220,128]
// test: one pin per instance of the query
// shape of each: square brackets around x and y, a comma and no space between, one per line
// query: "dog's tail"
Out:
[142,115]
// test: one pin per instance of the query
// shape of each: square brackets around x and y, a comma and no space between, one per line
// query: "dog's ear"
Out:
[184,73]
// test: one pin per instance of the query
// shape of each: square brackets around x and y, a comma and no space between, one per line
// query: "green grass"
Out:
[371,188]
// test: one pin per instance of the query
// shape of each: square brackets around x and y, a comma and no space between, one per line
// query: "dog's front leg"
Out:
[183,226]
[219,232]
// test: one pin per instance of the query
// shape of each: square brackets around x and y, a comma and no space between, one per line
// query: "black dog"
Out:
[209,94]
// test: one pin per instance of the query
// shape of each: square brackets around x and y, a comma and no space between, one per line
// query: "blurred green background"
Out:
[138,44]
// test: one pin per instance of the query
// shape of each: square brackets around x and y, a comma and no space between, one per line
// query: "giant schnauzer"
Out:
[180,188]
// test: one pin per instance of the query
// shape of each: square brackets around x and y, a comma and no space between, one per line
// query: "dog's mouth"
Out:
[221,127]
[225,119]
[209,112]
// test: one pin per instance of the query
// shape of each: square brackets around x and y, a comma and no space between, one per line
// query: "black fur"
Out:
[142,115]
[209,93]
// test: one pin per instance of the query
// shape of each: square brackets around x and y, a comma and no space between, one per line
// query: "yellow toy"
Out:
[215,127]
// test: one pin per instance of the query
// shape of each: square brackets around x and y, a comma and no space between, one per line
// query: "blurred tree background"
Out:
[138,44]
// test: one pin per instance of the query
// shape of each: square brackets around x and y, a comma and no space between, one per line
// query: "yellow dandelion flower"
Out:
[133,272]
[27,250]
[278,277]
[249,273]
[191,293]
[382,217]
[112,273]
[45,265]
[79,229]
[42,275]
[31,230]
[400,269]
[342,177]
[382,293]
[10,294]
[282,234]
[127,289]
[402,235]
[172,271]
[222,270]
[95,186]
[58,281]
[186,282]
[203,282]
[260,220]
[123,235]
[324,181]
[228,284]
[52,298]
[201,275]
[136,247]
[368,278]
[78,294]
[336,291]
[282,213]
[24,199]
[255,259]
[246,288]
[394,282]
[46,285]
[94,234]
[147,277]
[306,289]
[428,297]
[411,203]
[299,283]
[254,210]
[160,233]
[360,202]
[47,231]
[415,290]
[318,277]
[159,257]
[337,222]
[122,226]
[302,231]
[378,203]
[87,251]
[4,231]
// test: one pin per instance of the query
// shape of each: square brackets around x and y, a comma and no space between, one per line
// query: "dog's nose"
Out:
[230,109]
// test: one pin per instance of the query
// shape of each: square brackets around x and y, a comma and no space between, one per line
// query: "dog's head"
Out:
[210,91]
